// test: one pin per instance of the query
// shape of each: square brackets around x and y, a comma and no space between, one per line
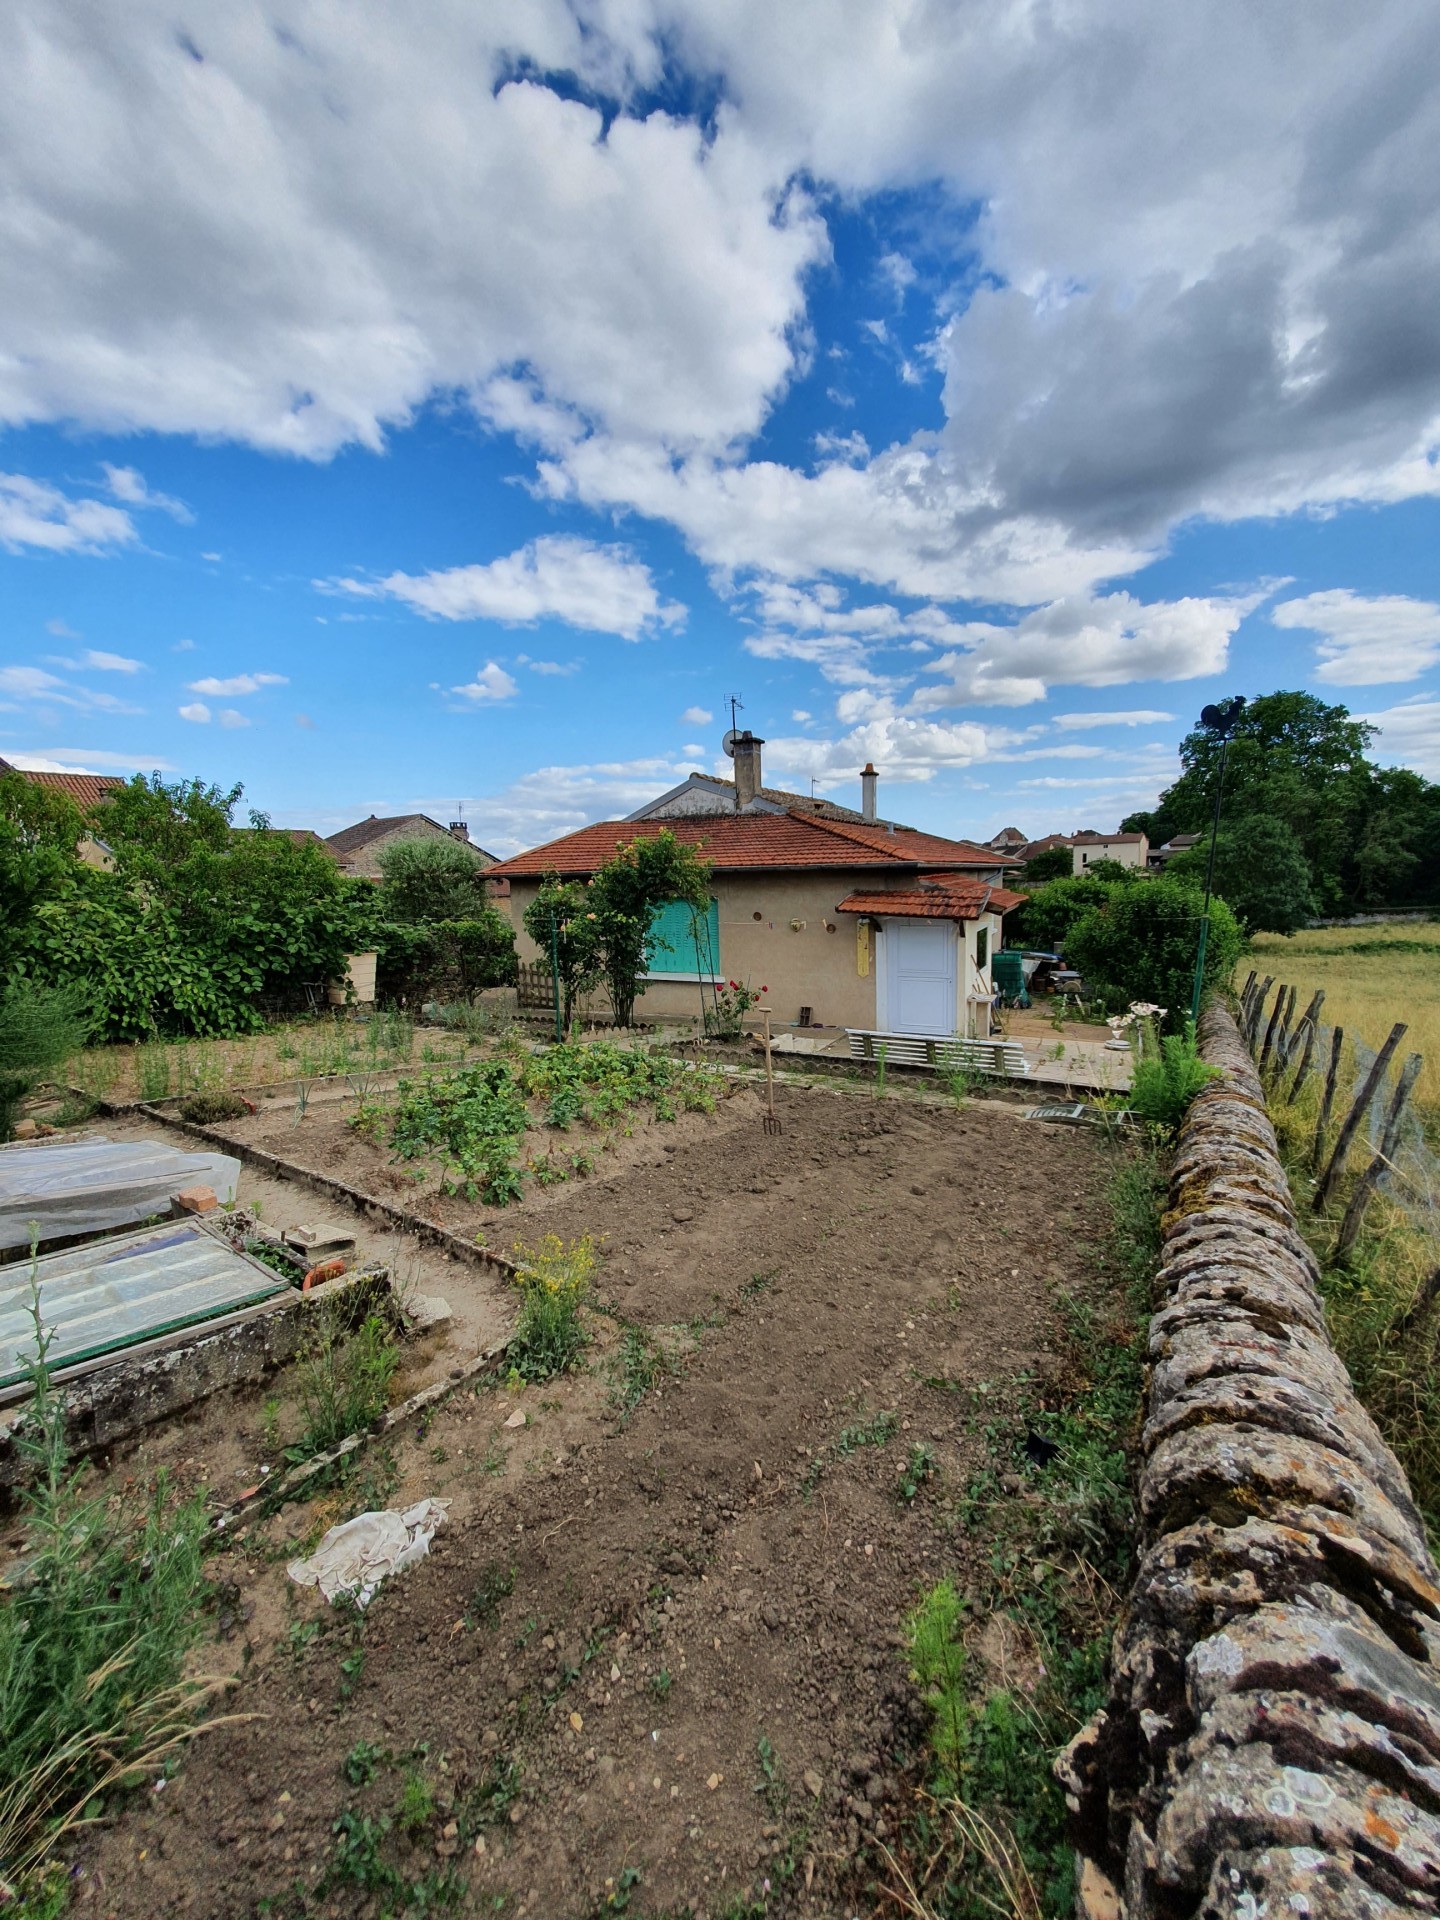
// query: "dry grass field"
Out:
[1372,977]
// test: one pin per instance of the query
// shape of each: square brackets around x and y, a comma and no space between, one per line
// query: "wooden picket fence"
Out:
[1277,1041]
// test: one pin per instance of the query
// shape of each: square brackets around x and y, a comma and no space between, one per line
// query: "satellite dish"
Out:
[727,745]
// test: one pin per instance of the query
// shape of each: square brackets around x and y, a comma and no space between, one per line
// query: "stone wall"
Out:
[1271,1741]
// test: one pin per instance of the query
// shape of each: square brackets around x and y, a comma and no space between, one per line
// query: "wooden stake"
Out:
[1310,1020]
[1337,1041]
[1289,1037]
[1357,1112]
[1369,1181]
[1276,1011]
[1257,1007]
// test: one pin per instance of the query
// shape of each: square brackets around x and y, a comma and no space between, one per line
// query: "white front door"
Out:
[920,995]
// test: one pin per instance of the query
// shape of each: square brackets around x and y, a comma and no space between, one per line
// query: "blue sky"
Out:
[408,416]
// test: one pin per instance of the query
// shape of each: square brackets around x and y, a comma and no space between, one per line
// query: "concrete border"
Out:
[1271,1740]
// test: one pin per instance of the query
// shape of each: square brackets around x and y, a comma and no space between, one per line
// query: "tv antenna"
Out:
[736,705]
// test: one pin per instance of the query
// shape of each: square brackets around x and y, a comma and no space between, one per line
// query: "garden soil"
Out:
[655,1662]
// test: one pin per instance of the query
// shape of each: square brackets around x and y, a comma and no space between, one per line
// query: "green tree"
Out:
[152,825]
[564,926]
[38,833]
[423,881]
[1048,915]
[1293,759]
[649,873]
[1260,872]
[1140,944]
[1055,863]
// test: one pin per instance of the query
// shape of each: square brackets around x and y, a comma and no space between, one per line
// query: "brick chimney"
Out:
[748,780]
[459,830]
[869,780]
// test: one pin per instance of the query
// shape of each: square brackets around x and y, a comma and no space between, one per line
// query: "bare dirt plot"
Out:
[668,1645]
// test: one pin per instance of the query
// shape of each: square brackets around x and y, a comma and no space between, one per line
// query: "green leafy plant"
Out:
[1167,1078]
[342,1380]
[93,1640]
[40,1027]
[496,1583]
[554,1280]
[204,1109]
[918,1468]
[937,1657]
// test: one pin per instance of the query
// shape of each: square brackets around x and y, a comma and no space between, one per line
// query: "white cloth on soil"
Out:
[355,1557]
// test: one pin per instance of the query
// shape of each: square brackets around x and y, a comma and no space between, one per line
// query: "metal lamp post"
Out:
[1219,721]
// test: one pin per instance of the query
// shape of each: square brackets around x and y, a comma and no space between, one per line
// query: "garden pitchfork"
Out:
[772,1125]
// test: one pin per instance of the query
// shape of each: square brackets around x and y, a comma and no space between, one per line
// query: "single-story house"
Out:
[1010,840]
[886,929]
[358,848]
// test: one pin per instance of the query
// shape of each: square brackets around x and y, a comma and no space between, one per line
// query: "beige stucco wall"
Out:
[1125,853]
[807,965]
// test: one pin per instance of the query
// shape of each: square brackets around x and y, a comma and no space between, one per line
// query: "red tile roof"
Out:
[755,841]
[939,896]
[85,789]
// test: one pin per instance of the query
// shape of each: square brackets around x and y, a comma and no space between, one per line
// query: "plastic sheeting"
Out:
[356,1556]
[98,1300]
[94,1184]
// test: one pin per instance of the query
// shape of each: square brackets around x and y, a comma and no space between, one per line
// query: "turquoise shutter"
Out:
[684,941]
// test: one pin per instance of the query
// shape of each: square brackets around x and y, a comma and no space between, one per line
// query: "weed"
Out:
[554,1281]
[617,1899]
[866,1433]
[270,1425]
[369,1121]
[302,1632]
[757,1283]
[771,1782]
[207,1109]
[1168,1078]
[343,1383]
[661,1683]
[881,1052]
[496,1583]
[154,1070]
[993,1832]
[919,1468]
[352,1671]
[641,1363]
[417,1800]
[93,1640]
[360,1763]
[75,1109]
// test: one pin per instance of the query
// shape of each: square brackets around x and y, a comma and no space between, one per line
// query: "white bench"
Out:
[941,1052]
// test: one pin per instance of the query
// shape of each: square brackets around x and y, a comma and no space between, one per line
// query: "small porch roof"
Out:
[938,896]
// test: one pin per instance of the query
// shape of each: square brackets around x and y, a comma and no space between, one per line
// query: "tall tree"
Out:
[1260,872]
[1294,759]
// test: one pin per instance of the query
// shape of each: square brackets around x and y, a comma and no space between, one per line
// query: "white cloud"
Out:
[33,683]
[491,683]
[238,683]
[128,484]
[88,760]
[35,514]
[95,661]
[693,750]
[1084,642]
[1409,736]
[903,748]
[696,717]
[61,632]
[232,717]
[196,711]
[551,801]
[1134,717]
[801,717]
[557,577]
[552,669]
[1208,260]
[183,646]
[324,225]
[1366,641]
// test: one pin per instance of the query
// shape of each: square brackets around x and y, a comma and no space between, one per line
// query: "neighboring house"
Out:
[706,793]
[1126,849]
[88,791]
[883,928]
[1009,840]
[1160,857]
[1034,848]
[358,848]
